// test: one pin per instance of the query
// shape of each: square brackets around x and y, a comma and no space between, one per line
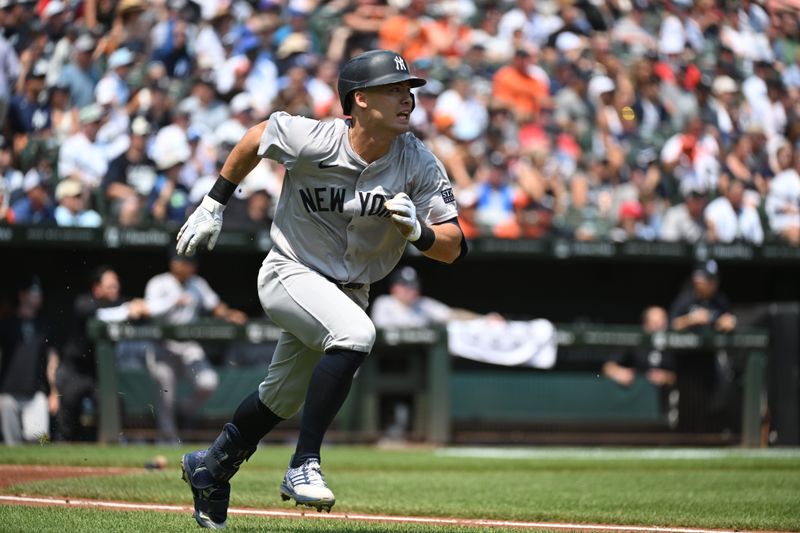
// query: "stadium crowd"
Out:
[596,119]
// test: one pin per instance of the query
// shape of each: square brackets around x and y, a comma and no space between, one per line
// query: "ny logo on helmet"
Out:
[399,64]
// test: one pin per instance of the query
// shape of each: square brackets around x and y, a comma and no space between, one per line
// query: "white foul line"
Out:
[359,517]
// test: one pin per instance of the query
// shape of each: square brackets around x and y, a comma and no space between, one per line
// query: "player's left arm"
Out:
[443,242]
[448,242]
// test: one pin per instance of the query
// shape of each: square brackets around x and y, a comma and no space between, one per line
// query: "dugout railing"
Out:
[415,363]
[152,238]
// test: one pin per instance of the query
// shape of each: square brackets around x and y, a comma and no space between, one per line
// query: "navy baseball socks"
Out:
[327,390]
[207,472]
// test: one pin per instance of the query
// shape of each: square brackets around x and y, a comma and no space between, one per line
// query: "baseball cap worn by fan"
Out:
[120,57]
[53,8]
[32,180]
[170,159]
[140,126]
[68,188]
[690,187]
[84,43]
[90,113]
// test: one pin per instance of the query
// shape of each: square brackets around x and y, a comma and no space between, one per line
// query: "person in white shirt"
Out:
[71,210]
[783,199]
[180,296]
[80,157]
[729,219]
[405,307]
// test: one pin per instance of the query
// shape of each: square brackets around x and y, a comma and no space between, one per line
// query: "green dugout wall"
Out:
[442,395]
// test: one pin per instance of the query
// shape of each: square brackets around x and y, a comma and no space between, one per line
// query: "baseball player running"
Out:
[355,192]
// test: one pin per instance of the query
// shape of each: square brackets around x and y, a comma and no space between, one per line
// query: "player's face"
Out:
[390,106]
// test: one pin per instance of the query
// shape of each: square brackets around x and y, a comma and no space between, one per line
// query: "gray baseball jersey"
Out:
[330,215]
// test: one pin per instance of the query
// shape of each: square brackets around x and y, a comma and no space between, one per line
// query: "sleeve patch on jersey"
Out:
[448,196]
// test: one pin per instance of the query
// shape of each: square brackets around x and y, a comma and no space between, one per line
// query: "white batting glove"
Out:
[202,226]
[404,216]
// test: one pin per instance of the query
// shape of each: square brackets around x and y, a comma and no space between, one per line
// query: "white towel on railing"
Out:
[511,343]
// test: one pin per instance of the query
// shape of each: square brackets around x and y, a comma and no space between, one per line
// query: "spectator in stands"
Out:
[179,297]
[533,203]
[130,178]
[513,86]
[76,372]
[4,203]
[783,200]
[685,221]
[405,32]
[36,207]
[652,117]
[293,97]
[28,393]
[112,136]
[207,110]
[581,219]
[10,177]
[81,157]
[629,216]
[729,218]
[71,210]
[692,154]
[114,81]
[676,71]
[169,197]
[723,107]
[495,202]
[173,49]
[63,115]
[28,115]
[572,109]
[9,71]
[81,74]
[463,105]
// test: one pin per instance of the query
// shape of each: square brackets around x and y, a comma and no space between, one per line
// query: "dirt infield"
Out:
[16,474]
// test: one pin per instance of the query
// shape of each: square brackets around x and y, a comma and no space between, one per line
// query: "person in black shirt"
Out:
[27,370]
[657,366]
[130,178]
[702,305]
[76,374]
[709,374]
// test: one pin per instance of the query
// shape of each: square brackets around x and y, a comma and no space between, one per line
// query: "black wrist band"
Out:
[425,240]
[222,190]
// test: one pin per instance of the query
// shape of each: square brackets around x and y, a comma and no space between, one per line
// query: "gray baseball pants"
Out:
[315,316]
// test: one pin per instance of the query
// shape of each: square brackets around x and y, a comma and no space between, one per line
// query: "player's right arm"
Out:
[244,156]
[205,224]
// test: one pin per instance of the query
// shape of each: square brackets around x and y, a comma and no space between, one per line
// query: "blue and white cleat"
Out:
[306,486]
[211,497]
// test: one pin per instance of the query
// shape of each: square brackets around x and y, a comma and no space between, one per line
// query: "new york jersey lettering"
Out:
[323,199]
[373,202]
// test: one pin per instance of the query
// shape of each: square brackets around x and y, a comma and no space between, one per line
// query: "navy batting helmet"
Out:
[372,69]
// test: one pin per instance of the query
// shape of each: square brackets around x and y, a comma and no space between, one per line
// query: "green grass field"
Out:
[727,489]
